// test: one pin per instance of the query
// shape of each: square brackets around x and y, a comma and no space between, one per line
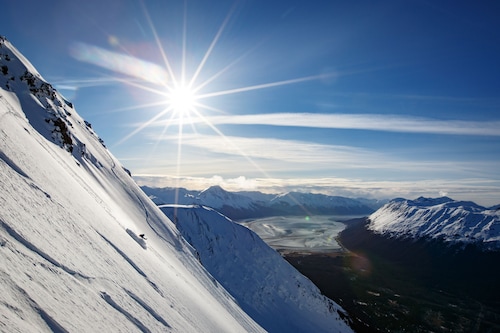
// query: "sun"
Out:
[182,100]
[183,90]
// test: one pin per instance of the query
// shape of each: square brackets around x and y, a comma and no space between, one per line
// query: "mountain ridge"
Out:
[244,204]
[452,221]
[212,234]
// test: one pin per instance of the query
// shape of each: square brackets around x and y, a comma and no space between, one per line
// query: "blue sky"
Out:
[357,98]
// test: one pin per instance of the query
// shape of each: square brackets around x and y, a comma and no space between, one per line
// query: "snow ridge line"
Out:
[149,309]
[12,165]
[124,312]
[14,234]
[20,172]
[51,322]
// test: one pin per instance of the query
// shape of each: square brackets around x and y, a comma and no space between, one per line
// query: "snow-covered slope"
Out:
[274,293]
[440,218]
[71,259]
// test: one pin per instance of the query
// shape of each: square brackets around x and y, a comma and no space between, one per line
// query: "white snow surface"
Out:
[439,218]
[267,287]
[71,259]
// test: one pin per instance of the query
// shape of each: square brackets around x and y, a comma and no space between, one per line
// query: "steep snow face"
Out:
[71,258]
[274,293]
[439,218]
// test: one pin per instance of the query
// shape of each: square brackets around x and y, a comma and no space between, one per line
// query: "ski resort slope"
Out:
[71,259]
[439,218]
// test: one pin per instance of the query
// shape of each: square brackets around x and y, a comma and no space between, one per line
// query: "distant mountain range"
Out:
[242,205]
[445,219]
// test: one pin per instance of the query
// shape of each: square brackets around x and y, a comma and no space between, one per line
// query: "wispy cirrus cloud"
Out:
[290,151]
[372,122]
[119,63]
[273,154]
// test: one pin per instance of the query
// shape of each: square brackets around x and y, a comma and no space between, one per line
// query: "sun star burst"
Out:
[182,100]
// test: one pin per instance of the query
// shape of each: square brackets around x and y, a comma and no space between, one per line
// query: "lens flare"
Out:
[119,63]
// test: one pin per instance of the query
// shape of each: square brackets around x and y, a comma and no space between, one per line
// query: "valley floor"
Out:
[383,295]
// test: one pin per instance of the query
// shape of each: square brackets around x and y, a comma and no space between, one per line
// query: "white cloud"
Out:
[373,122]
[229,153]
[288,151]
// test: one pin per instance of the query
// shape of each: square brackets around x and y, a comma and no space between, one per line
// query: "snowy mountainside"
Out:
[267,287]
[438,218]
[213,196]
[71,258]
[240,205]
[216,196]
[257,196]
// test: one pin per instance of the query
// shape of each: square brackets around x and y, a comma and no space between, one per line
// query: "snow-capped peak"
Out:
[438,218]
[216,197]
[214,189]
